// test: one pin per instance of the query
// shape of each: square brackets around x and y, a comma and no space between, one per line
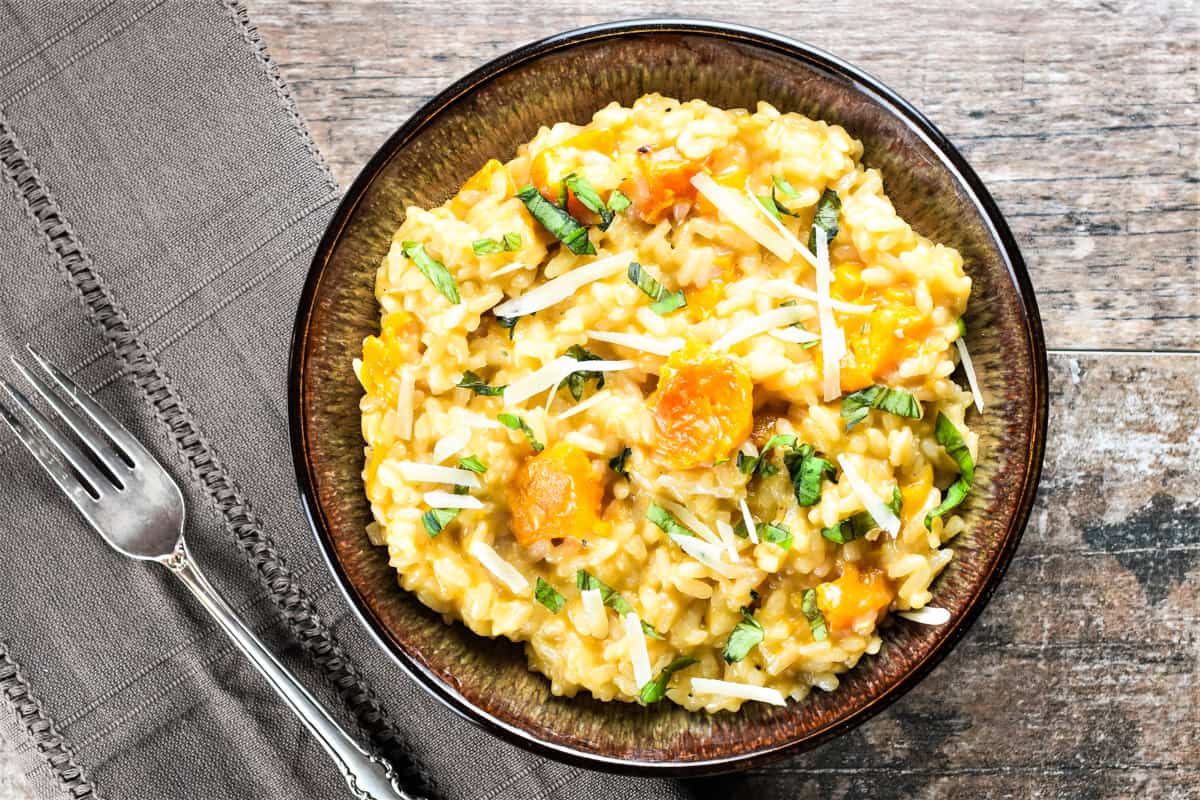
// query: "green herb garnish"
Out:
[816,620]
[436,519]
[618,202]
[664,302]
[586,581]
[472,463]
[548,596]
[483,247]
[586,194]
[948,437]
[808,471]
[510,323]
[515,423]
[826,218]
[894,401]
[432,269]
[666,521]
[759,466]
[747,635]
[785,188]
[617,462]
[767,532]
[576,381]
[476,384]
[656,689]
[962,327]
[860,524]
[557,221]
[511,242]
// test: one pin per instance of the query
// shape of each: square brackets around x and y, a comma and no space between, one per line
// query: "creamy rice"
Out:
[684,417]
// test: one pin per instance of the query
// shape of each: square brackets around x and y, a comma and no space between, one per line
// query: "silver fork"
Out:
[127,496]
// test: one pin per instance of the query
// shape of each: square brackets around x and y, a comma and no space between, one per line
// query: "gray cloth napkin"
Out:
[161,201]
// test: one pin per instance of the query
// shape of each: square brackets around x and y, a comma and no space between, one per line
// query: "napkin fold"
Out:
[161,202]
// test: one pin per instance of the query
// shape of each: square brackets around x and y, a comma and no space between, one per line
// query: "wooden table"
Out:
[1081,678]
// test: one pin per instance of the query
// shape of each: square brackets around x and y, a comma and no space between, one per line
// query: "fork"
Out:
[131,501]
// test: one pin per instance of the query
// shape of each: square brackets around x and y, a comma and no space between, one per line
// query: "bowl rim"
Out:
[951,159]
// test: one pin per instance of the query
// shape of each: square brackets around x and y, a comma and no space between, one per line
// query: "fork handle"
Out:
[369,776]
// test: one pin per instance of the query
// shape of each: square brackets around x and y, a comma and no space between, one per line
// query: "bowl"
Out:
[568,77]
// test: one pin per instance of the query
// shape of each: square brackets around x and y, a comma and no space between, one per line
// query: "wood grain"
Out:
[1083,119]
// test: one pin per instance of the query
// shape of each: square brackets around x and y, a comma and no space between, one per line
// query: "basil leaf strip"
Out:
[432,269]
[618,202]
[483,247]
[648,629]
[472,463]
[808,471]
[557,221]
[656,689]
[664,302]
[767,532]
[585,581]
[666,521]
[476,384]
[515,423]
[783,186]
[826,218]
[617,462]
[861,523]
[759,466]
[816,620]
[576,380]
[586,194]
[548,596]
[436,519]
[949,437]
[510,323]
[856,406]
[511,242]
[746,635]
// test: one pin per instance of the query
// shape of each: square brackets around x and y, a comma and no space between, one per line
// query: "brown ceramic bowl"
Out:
[568,77]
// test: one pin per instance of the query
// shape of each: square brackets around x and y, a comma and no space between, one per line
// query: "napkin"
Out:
[161,202]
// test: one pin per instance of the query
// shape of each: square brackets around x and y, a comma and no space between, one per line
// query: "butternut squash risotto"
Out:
[668,398]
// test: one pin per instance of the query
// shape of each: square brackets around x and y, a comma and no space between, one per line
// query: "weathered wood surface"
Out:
[1081,680]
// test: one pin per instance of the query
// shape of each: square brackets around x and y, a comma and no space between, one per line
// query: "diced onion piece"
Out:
[451,443]
[795,335]
[731,204]
[691,521]
[779,226]
[636,341]
[428,473]
[637,650]
[969,368]
[404,404]
[738,691]
[553,374]
[878,509]
[505,572]
[751,528]
[440,499]
[929,615]
[584,405]
[513,267]
[707,553]
[761,323]
[729,538]
[593,612]
[558,289]
[831,341]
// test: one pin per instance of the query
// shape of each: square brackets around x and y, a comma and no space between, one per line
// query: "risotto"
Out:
[668,398]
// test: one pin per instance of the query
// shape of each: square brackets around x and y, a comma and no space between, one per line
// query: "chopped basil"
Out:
[759,466]
[962,327]
[894,401]
[656,689]
[767,532]
[649,631]
[771,201]
[511,242]
[586,194]
[548,596]
[510,323]
[618,202]
[664,302]
[666,521]
[746,635]
[860,524]
[557,221]
[515,423]
[576,381]
[460,489]
[472,463]
[585,581]
[826,218]
[476,384]
[808,471]
[617,462]
[784,187]
[948,437]
[816,620]
[436,519]
[483,247]
[432,269]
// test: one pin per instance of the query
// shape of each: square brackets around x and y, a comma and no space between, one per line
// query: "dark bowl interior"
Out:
[487,115]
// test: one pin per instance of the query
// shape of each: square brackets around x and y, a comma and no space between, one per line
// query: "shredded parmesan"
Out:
[691,521]
[761,323]
[440,499]
[593,612]
[707,553]
[584,405]
[505,572]
[779,286]
[553,374]
[738,691]
[404,404]
[513,267]
[795,335]
[730,203]
[969,368]
[729,538]
[751,528]
[637,650]
[878,509]
[451,443]
[831,339]
[779,226]
[558,289]
[636,341]
[428,473]
[929,615]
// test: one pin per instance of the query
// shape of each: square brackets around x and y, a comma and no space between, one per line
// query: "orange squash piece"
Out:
[492,180]
[857,593]
[703,407]
[914,495]
[396,344]
[556,495]
[661,179]
[554,163]
[877,343]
